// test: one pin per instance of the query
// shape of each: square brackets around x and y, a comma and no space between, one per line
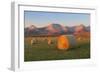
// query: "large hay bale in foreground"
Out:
[65,42]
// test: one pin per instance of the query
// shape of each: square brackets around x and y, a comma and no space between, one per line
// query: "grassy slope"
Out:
[44,52]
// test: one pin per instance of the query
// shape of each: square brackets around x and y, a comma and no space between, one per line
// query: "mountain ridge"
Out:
[55,29]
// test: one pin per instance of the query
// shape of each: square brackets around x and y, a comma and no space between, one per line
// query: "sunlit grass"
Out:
[43,51]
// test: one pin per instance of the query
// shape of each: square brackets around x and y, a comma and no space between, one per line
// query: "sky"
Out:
[41,19]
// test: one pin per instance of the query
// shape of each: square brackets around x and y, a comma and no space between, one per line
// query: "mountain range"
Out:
[54,29]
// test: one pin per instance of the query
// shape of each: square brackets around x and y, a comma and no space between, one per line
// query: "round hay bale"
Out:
[33,41]
[65,42]
[49,40]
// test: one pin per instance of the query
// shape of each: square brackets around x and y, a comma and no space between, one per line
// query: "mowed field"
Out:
[42,51]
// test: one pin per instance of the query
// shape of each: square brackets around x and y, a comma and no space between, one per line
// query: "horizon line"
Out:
[56,23]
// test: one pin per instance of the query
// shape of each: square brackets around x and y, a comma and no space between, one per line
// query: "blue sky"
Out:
[40,19]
